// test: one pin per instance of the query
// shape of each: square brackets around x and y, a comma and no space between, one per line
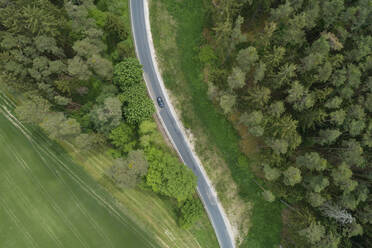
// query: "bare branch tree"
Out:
[336,212]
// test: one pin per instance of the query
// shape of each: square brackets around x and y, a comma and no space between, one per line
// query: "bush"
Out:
[137,106]
[130,171]
[99,16]
[115,29]
[123,137]
[127,73]
[190,212]
[167,176]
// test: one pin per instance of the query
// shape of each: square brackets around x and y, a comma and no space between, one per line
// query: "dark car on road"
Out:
[160,102]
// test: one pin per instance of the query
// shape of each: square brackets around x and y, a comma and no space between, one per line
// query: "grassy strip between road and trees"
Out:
[177,29]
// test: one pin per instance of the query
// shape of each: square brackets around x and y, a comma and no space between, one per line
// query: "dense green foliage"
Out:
[168,176]
[130,171]
[74,63]
[191,210]
[303,84]
[127,73]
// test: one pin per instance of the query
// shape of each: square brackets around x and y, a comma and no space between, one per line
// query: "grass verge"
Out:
[177,28]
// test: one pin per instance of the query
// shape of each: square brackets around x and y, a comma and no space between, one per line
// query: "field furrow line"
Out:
[18,223]
[20,195]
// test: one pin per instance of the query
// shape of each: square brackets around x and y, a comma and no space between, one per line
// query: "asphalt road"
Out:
[138,17]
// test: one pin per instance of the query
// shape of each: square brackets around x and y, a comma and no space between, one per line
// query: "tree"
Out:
[33,110]
[353,154]
[107,115]
[207,55]
[368,102]
[237,79]
[252,119]
[341,173]
[312,161]
[353,76]
[321,46]
[271,174]
[78,68]
[102,67]
[318,91]
[331,240]
[127,73]
[325,71]
[256,131]
[32,18]
[227,103]
[276,55]
[259,96]
[328,136]
[167,176]
[315,199]
[313,233]
[191,210]
[342,178]
[279,146]
[331,11]
[356,127]
[286,128]
[85,48]
[268,196]
[246,58]
[123,137]
[318,183]
[338,117]
[336,212]
[149,134]
[137,106]
[125,49]
[286,73]
[333,103]
[60,100]
[355,230]
[60,127]
[130,171]
[259,73]
[296,92]
[86,141]
[276,109]
[115,28]
[69,128]
[46,44]
[292,176]
[236,35]
[282,12]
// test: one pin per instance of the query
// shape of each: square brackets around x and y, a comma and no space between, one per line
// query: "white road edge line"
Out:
[178,122]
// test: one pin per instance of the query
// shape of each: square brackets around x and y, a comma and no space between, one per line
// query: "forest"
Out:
[298,74]
[72,64]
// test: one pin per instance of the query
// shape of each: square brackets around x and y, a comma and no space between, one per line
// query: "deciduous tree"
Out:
[292,176]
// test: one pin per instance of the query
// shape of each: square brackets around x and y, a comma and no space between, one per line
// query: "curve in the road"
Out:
[145,52]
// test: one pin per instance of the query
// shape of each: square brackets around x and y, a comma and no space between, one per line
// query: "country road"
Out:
[145,52]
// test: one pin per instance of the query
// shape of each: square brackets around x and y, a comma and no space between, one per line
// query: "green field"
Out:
[48,201]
